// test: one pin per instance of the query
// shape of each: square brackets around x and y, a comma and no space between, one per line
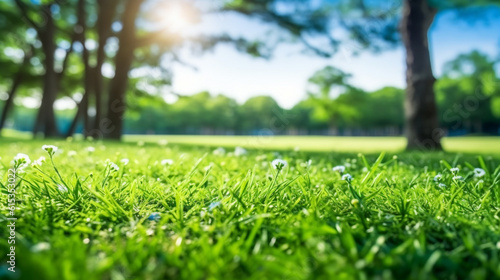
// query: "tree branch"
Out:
[157,37]
[24,12]
[66,57]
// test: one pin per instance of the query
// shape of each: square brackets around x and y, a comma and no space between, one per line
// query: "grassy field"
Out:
[148,210]
[485,145]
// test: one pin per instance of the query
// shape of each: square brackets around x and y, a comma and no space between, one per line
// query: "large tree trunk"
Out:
[123,62]
[88,78]
[105,18]
[46,115]
[422,130]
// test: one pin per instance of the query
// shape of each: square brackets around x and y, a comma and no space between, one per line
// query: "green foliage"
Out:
[466,94]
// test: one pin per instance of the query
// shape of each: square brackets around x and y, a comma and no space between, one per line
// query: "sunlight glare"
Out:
[175,16]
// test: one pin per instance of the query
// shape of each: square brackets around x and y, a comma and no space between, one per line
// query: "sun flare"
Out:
[175,16]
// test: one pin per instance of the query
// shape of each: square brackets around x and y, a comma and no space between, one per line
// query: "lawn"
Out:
[485,145]
[148,210]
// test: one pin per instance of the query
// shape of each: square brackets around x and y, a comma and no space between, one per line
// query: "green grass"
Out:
[236,217]
[485,145]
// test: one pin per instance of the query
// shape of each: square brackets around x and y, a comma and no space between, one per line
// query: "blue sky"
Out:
[284,77]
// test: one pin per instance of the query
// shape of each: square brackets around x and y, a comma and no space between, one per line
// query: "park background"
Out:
[200,139]
[230,68]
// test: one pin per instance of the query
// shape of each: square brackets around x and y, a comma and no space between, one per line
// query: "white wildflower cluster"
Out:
[438,178]
[21,161]
[38,162]
[339,169]
[456,177]
[347,177]
[50,149]
[479,172]
[111,165]
[279,164]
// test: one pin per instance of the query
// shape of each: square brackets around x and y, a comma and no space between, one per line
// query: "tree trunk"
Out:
[105,18]
[422,128]
[46,115]
[87,80]
[16,81]
[10,100]
[79,112]
[123,62]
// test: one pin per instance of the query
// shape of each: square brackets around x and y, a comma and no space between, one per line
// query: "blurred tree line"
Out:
[468,98]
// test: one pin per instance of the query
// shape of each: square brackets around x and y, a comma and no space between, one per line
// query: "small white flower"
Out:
[71,153]
[167,162]
[441,185]
[438,178]
[219,151]
[279,164]
[479,172]
[458,178]
[364,170]
[21,161]
[239,151]
[50,149]
[339,168]
[90,149]
[347,177]
[125,161]
[112,166]
[62,188]
[454,169]
[38,162]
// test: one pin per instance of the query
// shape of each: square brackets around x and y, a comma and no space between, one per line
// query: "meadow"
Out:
[182,207]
